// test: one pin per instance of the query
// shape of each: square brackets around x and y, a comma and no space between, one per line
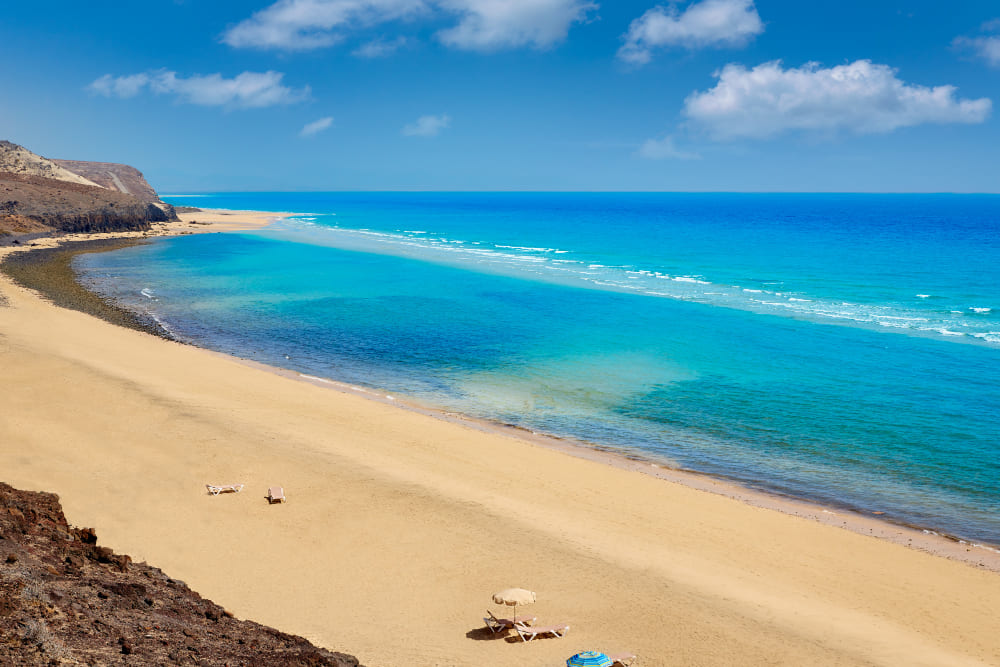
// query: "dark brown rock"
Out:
[72,207]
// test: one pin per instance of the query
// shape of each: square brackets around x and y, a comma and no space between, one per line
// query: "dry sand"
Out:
[399,525]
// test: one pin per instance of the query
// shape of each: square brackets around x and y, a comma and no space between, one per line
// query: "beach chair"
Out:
[216,489]
[624,659]
[499,624]
[529,632]
[275,494]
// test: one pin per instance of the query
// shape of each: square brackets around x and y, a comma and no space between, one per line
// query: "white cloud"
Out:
[244,91]
[316,126]
[488,25]
[427,126]
[122,86]
[986,47]
[379,48]
[299,25]
[483,25]
[860,97]
[715,23]
[664,149]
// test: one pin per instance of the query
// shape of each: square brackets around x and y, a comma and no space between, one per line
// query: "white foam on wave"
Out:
[528,248]
[923,296]
[540,262]
[148,293]
[163,325]
[987,548]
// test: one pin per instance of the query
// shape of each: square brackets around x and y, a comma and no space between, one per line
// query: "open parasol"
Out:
[512,597]
[589,659]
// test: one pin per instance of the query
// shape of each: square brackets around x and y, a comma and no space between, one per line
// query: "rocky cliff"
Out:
[39,195]
[32,203]
[118,177]
[66,600]
[16,159]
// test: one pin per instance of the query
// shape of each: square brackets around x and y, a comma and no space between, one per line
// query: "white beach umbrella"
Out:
[512,597]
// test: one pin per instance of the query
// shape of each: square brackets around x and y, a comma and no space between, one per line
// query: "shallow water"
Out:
[840,348]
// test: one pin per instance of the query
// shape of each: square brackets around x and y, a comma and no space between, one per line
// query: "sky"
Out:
[710,95]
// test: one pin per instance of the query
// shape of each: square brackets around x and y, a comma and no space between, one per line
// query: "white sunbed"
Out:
[216,489]
[275,494]
[499,624]
[529,632]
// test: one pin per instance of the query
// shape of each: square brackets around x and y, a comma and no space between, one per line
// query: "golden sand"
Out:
[399,525]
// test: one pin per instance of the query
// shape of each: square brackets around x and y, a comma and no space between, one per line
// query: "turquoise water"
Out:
[842,348]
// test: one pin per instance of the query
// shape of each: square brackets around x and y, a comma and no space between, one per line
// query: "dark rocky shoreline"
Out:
[49,271]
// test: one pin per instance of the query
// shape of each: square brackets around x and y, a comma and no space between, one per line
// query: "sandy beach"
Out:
[399,525]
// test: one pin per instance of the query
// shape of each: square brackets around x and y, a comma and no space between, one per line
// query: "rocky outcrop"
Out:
[66,600]
[118,177]
[16,159]
[19,162]
[71,207]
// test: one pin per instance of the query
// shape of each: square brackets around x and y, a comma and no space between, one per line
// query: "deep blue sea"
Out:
[840,348]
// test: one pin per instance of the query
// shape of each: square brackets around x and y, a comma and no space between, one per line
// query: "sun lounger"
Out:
[275,494]
[529,632]
[216,489]
[623,659]
[498,624]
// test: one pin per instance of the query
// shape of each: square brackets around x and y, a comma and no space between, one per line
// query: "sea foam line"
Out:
[537,262]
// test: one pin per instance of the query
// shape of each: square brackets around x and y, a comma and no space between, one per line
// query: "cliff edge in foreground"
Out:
[64,600]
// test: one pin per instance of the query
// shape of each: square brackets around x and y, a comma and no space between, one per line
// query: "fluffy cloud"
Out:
[299,25]
[488,25]
[987,46]
[427,126]
[244,91]
[664,149]
[708,23]
[861,97]
[316,126]
[122,86]
[379,48]
[296,25]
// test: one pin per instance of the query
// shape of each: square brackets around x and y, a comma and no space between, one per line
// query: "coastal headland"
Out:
[400,524]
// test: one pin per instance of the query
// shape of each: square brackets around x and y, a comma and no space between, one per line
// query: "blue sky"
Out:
[712,95]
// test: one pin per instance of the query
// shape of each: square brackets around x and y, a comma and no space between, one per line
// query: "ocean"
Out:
[839,348]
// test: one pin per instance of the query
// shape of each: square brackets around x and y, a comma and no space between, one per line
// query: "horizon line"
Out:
[194,193]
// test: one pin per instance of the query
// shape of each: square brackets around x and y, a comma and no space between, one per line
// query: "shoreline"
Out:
[58,257]
[932,541]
